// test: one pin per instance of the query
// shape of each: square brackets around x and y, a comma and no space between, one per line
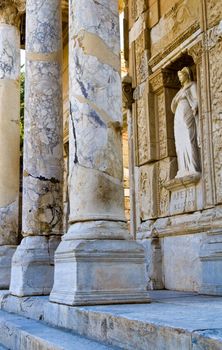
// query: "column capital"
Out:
[11,10]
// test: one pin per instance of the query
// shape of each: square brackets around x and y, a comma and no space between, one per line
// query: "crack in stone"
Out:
[76,161]
[41,178]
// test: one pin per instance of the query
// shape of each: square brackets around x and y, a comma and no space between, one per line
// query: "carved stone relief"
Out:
[215,59]
[162,136]
[166,172]
[213,36]
[148,191]
[173,28]
[141,57]
[146,128]
[213,11]
[164,85]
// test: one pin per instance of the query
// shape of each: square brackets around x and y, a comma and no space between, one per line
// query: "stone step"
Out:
[21,333]
[172,321]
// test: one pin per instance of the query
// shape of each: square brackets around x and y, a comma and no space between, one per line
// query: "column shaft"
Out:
[9,136]
[32,271]
[93,263]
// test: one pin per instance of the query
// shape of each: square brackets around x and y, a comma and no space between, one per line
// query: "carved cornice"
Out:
[11,10]
[177,42]
[196,51]
[164,78]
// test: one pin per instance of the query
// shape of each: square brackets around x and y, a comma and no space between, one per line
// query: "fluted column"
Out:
[32,267]
[10,12]
[95,263]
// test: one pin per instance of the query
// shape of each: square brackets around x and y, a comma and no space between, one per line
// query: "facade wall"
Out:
[178,221]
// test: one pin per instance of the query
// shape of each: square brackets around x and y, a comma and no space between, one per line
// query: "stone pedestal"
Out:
[33,266]
[9,133]
[92,272]
[95,263]
[32,273]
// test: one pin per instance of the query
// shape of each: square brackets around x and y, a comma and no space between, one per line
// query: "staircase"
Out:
[172,321]
[21,333]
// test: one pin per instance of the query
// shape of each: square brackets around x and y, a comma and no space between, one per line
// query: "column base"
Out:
[99,272]
[211,265]
[6,254]
[33,266]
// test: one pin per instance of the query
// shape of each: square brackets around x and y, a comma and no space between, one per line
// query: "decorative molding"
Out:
[166,51]
[182,182]
[208,221]
[196,52]
[11,11]
[213,36]
[164,78]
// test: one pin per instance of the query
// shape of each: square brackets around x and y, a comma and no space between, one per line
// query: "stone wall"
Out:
[178,220]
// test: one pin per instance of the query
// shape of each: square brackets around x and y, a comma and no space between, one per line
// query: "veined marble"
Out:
[43,150]
[91,260]
[9,135]
[43,155]
[95,112]
[9,52]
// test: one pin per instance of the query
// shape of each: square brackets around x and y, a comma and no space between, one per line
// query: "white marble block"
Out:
[33,266]
[99,272]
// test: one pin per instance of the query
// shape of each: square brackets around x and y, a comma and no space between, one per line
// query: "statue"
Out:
[186,128]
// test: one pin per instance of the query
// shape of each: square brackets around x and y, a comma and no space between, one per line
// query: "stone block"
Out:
[99,272]
[153,259]
[211,264]
[181,262]
[33,266]
[185,194]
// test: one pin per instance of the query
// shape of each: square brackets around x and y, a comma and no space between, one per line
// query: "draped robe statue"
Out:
[186,128]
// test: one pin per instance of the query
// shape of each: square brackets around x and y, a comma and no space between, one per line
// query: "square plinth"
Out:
[99,272]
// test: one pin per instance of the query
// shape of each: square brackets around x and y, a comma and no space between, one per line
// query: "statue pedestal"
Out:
[185,194]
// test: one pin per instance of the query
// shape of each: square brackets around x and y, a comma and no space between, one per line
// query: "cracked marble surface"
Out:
[43,142]
[9,132]
[95,112]
[9,224]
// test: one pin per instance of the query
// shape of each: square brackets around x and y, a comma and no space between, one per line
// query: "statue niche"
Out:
[186,126]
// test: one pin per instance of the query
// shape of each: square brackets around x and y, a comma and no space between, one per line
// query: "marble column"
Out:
[96,262]
[32,264]
[10,12]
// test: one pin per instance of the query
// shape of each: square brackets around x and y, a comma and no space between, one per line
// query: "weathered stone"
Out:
[9,133]
[6,253]
[91,261]
[99,272]
[21,333]
[33,266]
[43,150]
[148,191]
[182,266]
[173,320]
